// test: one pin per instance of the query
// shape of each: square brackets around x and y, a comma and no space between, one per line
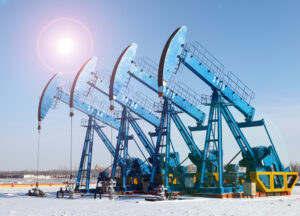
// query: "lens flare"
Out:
[63,44]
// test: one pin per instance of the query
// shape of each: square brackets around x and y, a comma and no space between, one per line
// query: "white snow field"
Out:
[14,202]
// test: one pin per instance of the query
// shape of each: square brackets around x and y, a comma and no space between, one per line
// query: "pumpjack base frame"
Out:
[216,190]
[241,195]
[86,191]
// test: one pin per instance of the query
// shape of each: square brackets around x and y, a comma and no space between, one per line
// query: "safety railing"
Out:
[103,74]
[185,92]
[117,114]
[158,107]
[148,65]
[128,91]
[214,65]
[89,88]
[145,102]
[57,97]
[100,105]
[205,99]
[206,58]
[84,122]
[66,86]
[239,87]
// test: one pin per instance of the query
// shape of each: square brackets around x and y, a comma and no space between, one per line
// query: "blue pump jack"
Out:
[226,90]
[53,93]
[127,68]
[87,79]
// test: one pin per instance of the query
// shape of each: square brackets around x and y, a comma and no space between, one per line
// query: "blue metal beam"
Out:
[147,144]
[211,79]
[123,100]
[99,115]
[90,154]
[107,143]
[86,152]
[160,134]
[220,142]
[185,134]
[89,110]
[240,124]
[237,133]
[206,146]
[122,145]
[168,144]
[177,100]
[110,121]
[175,53]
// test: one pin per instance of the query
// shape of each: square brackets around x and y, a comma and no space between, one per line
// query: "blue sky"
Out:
[257,40]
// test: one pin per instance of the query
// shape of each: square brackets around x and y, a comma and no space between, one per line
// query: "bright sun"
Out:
[65,46]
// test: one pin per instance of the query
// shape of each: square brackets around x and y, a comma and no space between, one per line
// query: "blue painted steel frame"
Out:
[126,65]
[55,93]
[185,134]
[237,133]
[162,130]
[87,152]
[123,138]
[168,93]
[110,121]
[215,83]
[137,129]
[123,100]
[89,110]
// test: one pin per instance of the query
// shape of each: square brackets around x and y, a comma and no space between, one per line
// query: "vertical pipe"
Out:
[220,147]
[157,147]
[125,152]
[116,156]
[90,154]
[85,145]
[168,143]
[71,151]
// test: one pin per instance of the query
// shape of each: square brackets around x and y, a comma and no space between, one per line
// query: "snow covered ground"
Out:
[14,202]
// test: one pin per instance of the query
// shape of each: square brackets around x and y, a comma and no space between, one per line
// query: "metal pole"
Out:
[168,143]
[125,152]
[90,155]
[71,150]
[220,146]
[38,160]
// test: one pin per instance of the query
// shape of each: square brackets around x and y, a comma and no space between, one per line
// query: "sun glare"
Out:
[65,46]
[59,42]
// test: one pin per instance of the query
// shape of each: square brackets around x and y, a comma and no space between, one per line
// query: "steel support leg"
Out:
[220,146]
[90,154]
[88,144]
[156,158]
[122,144]
[168,143]
[207,141]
